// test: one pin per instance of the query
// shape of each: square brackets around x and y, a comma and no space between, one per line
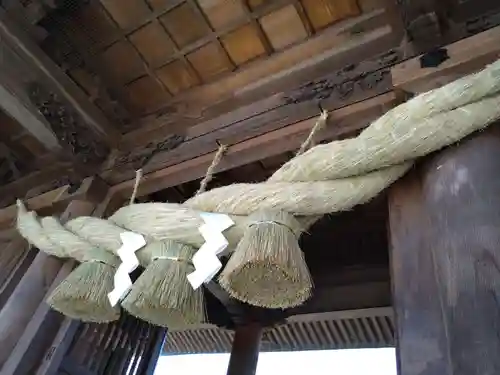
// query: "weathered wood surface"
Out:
[245,351]
[55,78]
[334,91]
[15,260]
[243,117]
[47,103]
[444,221]
[48,178]
[341,88]
[354,40]
[126,346]
[341,121]
[465,56]
[92,188]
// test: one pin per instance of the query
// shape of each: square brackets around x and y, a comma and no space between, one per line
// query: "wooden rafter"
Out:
[334,91]
[341,121]
[53,200]
[352,40]
[43,99]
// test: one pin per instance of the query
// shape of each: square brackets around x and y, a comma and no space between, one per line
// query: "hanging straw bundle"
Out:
[162,294]
[268,268]
[84,293]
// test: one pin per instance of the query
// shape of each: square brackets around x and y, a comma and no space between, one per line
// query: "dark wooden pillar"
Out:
[245,351]
[445,239]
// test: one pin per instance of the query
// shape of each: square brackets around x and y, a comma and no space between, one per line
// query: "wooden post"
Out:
[445,239]
[154,351]
[245,351]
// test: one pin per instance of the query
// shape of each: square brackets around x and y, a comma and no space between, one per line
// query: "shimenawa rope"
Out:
[326,178]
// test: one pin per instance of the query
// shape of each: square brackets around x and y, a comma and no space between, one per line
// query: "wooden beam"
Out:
[9,281]
[155,350]
[55,353]
[335,90]
[444,234]
[25,113]
[465,57]
[352,40]
[92,188]
[425,21]
[341,121]
[45,101]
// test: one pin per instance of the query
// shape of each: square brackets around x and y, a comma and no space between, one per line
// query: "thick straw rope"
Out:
[324,179]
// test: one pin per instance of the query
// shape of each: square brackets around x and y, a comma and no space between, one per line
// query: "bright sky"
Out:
[338,362]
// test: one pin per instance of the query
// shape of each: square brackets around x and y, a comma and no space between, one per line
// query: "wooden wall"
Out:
[126,347]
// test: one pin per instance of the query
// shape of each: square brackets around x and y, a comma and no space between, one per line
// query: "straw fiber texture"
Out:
[267,268]
[162,294]
[83,295]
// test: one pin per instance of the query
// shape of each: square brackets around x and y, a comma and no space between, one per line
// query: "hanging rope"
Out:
[318,126]
[138,176]
[209,175]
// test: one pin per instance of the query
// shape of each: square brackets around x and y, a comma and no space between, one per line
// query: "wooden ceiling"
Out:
[148,53]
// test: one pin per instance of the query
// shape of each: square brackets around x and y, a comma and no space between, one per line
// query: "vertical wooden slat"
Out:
[119,358]
[105,331]
[141,352]
[91,338]
[81,343]
[11,281]
[360,331]
[10,256]
[103,355]
[385,328]
[375,323]
[342,330]
[149,364]
[326,332]
[368,329]
[55,353]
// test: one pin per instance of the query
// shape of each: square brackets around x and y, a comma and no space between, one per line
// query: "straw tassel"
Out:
[83,295]
[268,268]
[162,294]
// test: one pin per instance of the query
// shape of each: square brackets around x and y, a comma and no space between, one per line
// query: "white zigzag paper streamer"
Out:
[131,243]
[205,261]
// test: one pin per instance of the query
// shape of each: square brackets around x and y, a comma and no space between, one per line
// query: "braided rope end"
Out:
[162,294]
[83,295]
[268,268]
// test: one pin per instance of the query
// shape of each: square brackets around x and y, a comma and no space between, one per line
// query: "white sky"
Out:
[338,362]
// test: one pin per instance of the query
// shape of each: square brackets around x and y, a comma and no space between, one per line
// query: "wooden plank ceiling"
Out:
[108,86]
[149,53]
